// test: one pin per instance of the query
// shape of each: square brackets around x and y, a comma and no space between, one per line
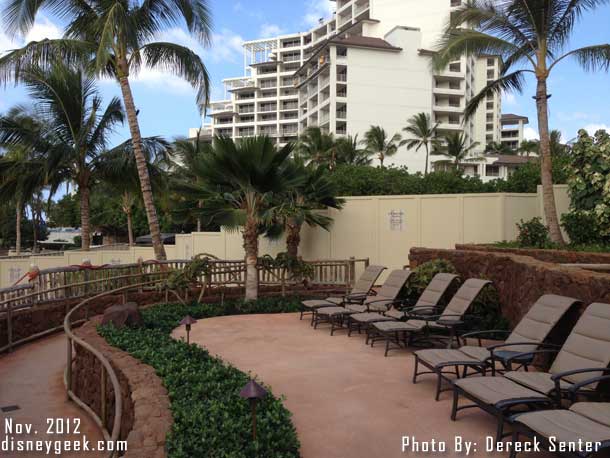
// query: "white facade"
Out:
[368,65]
[512,130]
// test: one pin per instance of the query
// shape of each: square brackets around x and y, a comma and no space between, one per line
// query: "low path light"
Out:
[253,392]
[188,321]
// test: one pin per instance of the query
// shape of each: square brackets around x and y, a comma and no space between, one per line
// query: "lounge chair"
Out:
[428,303]
[584,355]
[360,291]
[584,423]
[401,333]
[527,336]
[386,297]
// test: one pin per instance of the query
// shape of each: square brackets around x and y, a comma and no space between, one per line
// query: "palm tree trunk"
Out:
[251,249]
[147,195]
[85,225]
[34,230]
[427,158]
[199,205]
[546,163]
[293,238]
[128,214]
[381,158]
[18,208]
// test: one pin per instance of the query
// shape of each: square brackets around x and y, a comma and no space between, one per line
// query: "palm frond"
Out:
[506,83]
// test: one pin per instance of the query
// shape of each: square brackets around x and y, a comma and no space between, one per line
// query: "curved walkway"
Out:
[347,399]
[32,378]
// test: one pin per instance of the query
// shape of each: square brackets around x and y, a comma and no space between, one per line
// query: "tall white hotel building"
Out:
[367,65]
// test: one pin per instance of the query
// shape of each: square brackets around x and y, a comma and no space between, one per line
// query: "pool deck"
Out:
[347,399]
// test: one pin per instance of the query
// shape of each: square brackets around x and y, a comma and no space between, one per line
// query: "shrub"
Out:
[422,275]
[582,228]
[210,419]
[533,234]
[487,311]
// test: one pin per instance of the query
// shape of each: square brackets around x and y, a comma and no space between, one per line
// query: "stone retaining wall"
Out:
[147,417]
[521,280]
[554,256]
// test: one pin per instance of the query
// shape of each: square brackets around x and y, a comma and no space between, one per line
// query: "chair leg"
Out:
[456,397]
[500,428]
[439,382]
[387,347]
[515,439]
[332,325]
[415,374]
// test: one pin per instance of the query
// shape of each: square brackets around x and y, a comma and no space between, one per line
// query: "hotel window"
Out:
[492,171]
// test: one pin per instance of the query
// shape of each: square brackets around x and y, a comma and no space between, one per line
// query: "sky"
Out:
[167,104]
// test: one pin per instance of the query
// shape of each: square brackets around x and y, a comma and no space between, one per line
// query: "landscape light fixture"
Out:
[253,392]
[188,321]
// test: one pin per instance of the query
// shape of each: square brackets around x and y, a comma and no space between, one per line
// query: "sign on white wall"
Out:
[396,220]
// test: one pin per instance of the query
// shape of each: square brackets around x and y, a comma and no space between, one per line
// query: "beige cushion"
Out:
[565,426]
[319,303]
[392,285]
[435,291]
[370,317]
[399,326]
[539,321]
[493,390]
[479,353]
[396,314]
[436,356]
[596,411]
[367,280]
[356,308]
[587,346]
[539,381]
[333,311]
[463,299]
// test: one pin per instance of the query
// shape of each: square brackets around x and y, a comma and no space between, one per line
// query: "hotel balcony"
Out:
[448,108]
[218,109]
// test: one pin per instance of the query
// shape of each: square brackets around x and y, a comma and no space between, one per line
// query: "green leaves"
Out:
[210,419]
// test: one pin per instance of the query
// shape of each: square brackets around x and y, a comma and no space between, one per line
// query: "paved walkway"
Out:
[32,378]
[347,399]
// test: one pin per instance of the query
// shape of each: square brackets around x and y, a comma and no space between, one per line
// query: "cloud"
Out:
[509,98]
[529,133]
[42,28]
[316,9]
[271,30]
[592,128]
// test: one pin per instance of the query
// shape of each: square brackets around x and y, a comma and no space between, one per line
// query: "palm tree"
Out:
[238,182]
[118,168]
[456,150]
[75,128]
[349,151]
[528,147]
[377,142]
[116,38]
[422,133]
[317,146]
[498,148]
[301,204]
[530,36]
[557,147]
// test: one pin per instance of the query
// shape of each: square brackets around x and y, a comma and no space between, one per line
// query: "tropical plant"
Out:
[115,39]
[533,234]
[350,152]
[74,129]
[317,146]
[302,204]
[238,183]
[457,151]
[498,148]
[530,36]
[378,142]
[422,133]
[557,147]
[528,147]
[118,168]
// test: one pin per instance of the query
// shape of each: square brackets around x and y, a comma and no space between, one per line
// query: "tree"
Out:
[118,168]
[557,147]
[318,147]
[116,39]
[456,150]
[238,182]
[530,36]
[74,131]
[423,133]
[377,142]
[301,204]
[350,152]
[498,148]
[528,147]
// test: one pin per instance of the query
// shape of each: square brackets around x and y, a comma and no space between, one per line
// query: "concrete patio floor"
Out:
[347,399]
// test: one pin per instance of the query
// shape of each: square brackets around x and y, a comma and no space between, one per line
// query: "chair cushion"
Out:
[356,308]
[319,303]
[539,381]
[565,425]
[493,390]
[334,311]
[396,314]
[479,353]
[398,326]
[596,411]
[436,357]
[370,317]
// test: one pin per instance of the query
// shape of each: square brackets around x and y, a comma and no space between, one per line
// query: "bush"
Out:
[210,419]
[422,275]
[533,234]
[487,311]
[582,228]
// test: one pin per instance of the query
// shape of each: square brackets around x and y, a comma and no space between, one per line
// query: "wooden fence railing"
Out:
[75,282]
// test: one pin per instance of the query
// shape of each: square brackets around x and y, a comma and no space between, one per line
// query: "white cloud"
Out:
[317,9]
[271,30]
[592,128]
[509,98]
[43,28]
[529,133]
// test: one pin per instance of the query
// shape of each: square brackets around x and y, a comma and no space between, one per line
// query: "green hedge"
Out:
[210,419]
